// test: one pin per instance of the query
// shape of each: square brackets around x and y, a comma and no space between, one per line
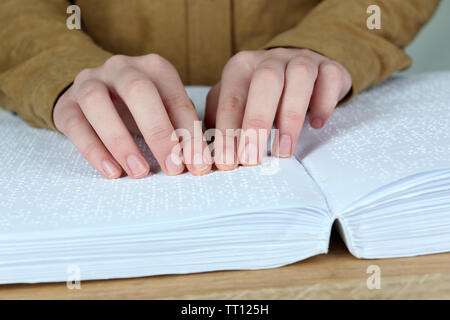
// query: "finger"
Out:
[78,130]
[221,145]
[212,102]
[94,100]
[263,99]
[328,90]
[181,112]
[143,100]
[235,83]
[301,73]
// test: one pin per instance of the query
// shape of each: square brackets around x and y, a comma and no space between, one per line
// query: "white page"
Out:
[394,130]
[45,184]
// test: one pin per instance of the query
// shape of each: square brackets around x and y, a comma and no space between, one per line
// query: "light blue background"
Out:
[430,51]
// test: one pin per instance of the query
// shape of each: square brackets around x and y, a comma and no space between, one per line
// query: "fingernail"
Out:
[174,164]
[284,150]
[110,169]
[199,163]
[317,123]
[136,165]
[251,154]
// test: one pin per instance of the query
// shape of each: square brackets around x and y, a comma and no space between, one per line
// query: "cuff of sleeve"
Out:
[365,65]
[54,75]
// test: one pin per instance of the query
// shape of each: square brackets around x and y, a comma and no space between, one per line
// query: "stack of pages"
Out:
[380,168]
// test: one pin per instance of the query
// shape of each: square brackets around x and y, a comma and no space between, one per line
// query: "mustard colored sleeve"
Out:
[40,57]
[338,29]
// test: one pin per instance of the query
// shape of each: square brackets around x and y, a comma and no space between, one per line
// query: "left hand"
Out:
[256,86]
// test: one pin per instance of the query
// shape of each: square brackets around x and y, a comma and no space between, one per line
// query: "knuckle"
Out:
[129,73]
[84,75]
[232,105]
[269,73]
[90,93]
[303,67]
[116,60]
[156,61]
[307,53]
[177,102]
[293,116]
[277,51]
[138,85]
[242,57]
[331,70]
[158,135]
[257,123]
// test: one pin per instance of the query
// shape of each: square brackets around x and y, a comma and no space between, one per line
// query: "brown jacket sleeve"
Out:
[337,29]
[40,56]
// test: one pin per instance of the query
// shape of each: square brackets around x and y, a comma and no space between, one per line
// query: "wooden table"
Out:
[337,275]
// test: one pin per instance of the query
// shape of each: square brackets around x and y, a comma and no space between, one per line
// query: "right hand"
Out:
[140,94]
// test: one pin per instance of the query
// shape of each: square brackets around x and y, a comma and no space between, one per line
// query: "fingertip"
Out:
[316,123]
[198,160]
[137,167]
[173,174]
[200,170]
[141,176]
[283,147]
[225,157]
[174,165]
[226,167]
[249,155]
[110,169]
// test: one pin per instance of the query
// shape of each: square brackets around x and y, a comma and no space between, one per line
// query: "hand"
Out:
[142,94]
[257,85]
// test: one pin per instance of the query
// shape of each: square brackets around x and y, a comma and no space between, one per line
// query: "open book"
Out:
[380,168]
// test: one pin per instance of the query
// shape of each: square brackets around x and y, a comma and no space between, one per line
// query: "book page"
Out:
[45,184]
[394,130]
